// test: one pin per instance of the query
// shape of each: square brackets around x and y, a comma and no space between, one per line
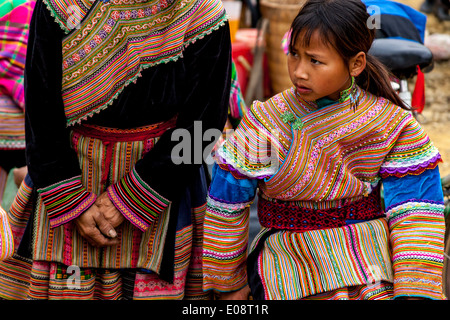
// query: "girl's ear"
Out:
[357,64]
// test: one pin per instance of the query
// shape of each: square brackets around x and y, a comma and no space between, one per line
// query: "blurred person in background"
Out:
[15,18]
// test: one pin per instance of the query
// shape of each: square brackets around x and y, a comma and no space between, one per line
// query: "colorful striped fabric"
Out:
[22,279]
[150,284]
[117,39]
[13,46]
[15,278]
[237,106]
[225,247]
[51,281]
[68,13]
[296,265]
[376,291]
[14,25]
[100,159]
[66,200]
[6,236]
[12,125]
[21,209]
[334,156]
[413,153]
[194,289]
[137,201]
[414,225]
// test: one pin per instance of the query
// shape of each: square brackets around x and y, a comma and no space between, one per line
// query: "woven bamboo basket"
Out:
[280,14]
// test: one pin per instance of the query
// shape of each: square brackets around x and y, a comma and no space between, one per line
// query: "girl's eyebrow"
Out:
[314,55]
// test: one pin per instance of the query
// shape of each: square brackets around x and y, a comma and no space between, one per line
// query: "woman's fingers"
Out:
[104,226]
[93,226]
[97,239]
[109,211]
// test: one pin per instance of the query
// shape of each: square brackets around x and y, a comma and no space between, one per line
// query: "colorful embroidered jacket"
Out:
[121,64]
[326,158]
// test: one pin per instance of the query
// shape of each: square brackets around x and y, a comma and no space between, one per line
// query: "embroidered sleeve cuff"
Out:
[417,237]
[400,166]
[418,282]
[6,236]
[137,201]
[66,200]
[225,246]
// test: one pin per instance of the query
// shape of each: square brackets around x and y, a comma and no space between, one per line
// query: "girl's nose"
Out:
[301,71]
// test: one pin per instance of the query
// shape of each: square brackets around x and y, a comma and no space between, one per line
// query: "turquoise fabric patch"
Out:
[229,189]
[426,186]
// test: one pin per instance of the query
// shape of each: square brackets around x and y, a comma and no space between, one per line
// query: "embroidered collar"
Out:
[324,102]
[296,123]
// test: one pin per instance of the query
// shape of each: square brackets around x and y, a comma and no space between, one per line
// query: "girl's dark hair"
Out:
[343,24]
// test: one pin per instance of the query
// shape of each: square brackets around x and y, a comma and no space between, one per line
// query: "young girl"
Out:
[338,135]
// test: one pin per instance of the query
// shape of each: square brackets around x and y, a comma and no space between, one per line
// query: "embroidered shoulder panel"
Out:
[258,145]
[68,13]
[117,39]
[412,153]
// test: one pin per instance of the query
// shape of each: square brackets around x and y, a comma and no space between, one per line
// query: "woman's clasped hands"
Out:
[97,224]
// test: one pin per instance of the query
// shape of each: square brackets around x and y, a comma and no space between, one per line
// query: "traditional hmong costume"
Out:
[107,83]
[322,169]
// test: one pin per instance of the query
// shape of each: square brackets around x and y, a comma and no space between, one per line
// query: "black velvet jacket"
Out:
[195,87]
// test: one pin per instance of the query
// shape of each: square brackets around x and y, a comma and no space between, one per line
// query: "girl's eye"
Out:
[293,53]
[314,61]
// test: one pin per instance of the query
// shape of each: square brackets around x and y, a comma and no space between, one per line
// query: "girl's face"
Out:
[318,70]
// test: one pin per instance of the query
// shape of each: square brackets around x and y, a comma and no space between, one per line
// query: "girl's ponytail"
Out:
[376,79]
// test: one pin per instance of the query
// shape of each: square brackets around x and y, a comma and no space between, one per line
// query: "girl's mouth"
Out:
[303,90]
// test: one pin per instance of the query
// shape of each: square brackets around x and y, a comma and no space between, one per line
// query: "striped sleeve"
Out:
[225,238]
[66,200]
[6,236]
[412,153]
[253,149]
[137,201]
[415,212]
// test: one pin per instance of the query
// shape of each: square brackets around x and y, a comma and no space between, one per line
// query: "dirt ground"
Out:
[435,118]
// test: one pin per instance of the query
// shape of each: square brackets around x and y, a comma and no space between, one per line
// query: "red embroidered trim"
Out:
[109,136]
[285,215]
[123,135]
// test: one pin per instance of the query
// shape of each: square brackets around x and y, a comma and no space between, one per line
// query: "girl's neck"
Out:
[343,96]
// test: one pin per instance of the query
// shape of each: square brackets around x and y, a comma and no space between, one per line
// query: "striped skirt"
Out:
[42,268]
[12,125]
[351,262]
